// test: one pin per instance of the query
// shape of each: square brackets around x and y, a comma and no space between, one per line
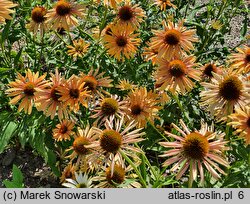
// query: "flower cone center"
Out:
[63,8]
[230,88]
[29,89]
[109,106]
[110,141]
[63,129]
[38,14]
[209,69]
[90,83]
[55,95]
[118,175]
[79,145]
[177,68]
[248,122]
[248,56]
[121,41]
[172,37]
[136,109]
[195,146]
[61,31]
[68,173]
[125,13]
[108,31]
[81,185]
[74,93]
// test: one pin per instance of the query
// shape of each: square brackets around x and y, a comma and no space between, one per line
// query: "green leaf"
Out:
[52,162]
[17,174]
[17,57]
[7,134]
[5,31]
[17,181]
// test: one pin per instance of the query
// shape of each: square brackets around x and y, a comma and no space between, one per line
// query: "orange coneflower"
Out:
[111,3]
[63,130]
[130,14]
[142,106]
[225,93]
[78,49]
[176,74]
[49,98]
[83,148]
[68,173]
[64,14]
[241,122]
[109,179]
[5,10]
[73,93]
[95,81]
[151,54]
[173,40]
[125,85]
[117,139]
[109,108]
[208,70]
[122,42]
[194,150]
[38,20]
[164,3]
[241,60]
[24,89]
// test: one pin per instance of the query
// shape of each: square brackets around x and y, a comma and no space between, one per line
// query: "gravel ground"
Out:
[36,173]
[233,38]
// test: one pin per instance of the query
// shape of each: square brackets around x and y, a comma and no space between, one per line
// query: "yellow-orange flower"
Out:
[125,85]
[164,3]
[122,42]
[142,106]
[130,14]
[109,108]
[24,89]
[241,122]
[109,179]
[73,93]
[95,81]
[64,14]
[79,48]
[68,173]
[176,74]
[48,99]
[241,60]
[63,130]
[5,10]
[38,20]
[151,54]
[83,148]
[111,3]
[208,70]
[173,40]
[117,139]
[194,150]
[225,93]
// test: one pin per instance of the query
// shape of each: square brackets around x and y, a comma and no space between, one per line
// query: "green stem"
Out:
[227,126]
[190,180]
[153,126]
[221,9]
[60,38]
[148,163]
[134,167]
[176,98]
[41,52]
